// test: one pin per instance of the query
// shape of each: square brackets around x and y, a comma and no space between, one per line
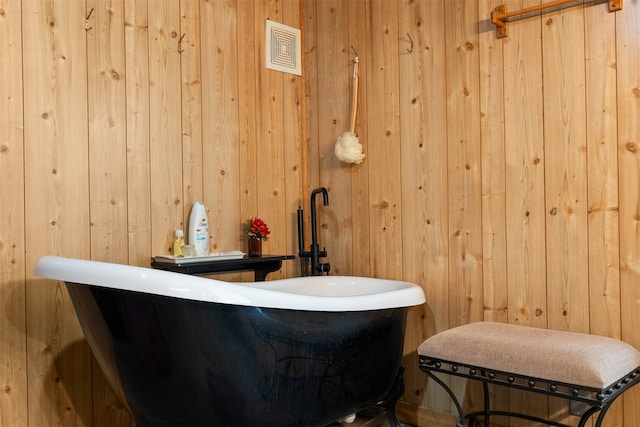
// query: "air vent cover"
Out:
[283,48]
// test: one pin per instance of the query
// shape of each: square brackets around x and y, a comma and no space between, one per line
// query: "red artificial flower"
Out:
[258,228]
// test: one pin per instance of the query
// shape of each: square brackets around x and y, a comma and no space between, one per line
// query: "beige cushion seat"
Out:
[582,367]
[568,357]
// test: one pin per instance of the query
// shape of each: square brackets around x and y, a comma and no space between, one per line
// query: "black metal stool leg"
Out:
[487,404]
[390,402]
[461,417]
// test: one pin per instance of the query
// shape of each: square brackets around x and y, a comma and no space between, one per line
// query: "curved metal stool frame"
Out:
[598,400]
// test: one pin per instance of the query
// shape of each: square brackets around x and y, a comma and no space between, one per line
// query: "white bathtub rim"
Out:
[283,293]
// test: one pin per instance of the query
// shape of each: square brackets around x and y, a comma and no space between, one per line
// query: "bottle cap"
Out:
[179,233]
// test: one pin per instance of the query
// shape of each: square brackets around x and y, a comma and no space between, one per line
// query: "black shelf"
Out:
[260,265]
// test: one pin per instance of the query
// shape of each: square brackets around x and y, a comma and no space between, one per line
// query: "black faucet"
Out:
[317,268]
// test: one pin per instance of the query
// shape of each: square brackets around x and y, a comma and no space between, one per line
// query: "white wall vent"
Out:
[283,49]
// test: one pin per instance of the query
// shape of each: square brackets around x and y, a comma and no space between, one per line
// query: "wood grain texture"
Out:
[424,178]
[525,206]
[565,168]
[165,150]
[565,175]
[108,135]
[248,64]
[314,34]
[384,141]
[270,174]
[524,156]
[494,229]
[220,131]
[107,131]
[13,398]
[56,159]
[602,182]
[628,103]
[335,64]
[464,201]
[359,196]
[138,132]
[494,218]
[193,160]
[463,163]
[107,164]
[292,144]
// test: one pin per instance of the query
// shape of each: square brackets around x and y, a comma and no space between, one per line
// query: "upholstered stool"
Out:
[579,367]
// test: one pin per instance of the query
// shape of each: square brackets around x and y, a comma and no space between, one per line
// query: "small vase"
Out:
[254,247]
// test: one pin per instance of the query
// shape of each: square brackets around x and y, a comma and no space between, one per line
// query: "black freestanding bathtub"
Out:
[190,351]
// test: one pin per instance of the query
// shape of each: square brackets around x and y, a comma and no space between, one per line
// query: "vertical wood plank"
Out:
[107,131]
[384,141]
[164,128]
[524,156]
[525,173]
[313,36]
[525,192]
[424,178]
[464,174]
[360,261]
[292,146]
[193,160]
[270,124]
[313,100]
[492,137]
[272,196]
[107,165]
[628,95]
[602,172]
[494,230]
[464,171]
[220,130]
[333,114]
[602,181]
[13,372]
[136,45]
[565,171]
[247,137]
[56,207]
[565,176]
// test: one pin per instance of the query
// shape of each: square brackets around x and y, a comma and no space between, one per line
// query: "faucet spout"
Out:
[314,254]
[325,200]
[316,267]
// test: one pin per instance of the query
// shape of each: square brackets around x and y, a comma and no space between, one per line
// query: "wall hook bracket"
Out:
[410,48]
[87,25]
[180,48]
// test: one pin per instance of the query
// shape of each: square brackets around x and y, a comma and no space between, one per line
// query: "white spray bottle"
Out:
[199,229]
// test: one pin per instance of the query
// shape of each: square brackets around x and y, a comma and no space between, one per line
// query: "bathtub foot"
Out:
[348,419]
[389,403]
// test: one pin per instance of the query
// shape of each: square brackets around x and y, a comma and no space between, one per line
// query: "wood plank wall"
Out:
[501,175]
[110,130]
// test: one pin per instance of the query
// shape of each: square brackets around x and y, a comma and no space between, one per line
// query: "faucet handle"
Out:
[324,268]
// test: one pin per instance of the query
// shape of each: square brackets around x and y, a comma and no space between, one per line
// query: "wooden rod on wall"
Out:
[500,14]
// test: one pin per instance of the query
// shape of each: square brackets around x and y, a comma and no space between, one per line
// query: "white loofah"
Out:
[348,148]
